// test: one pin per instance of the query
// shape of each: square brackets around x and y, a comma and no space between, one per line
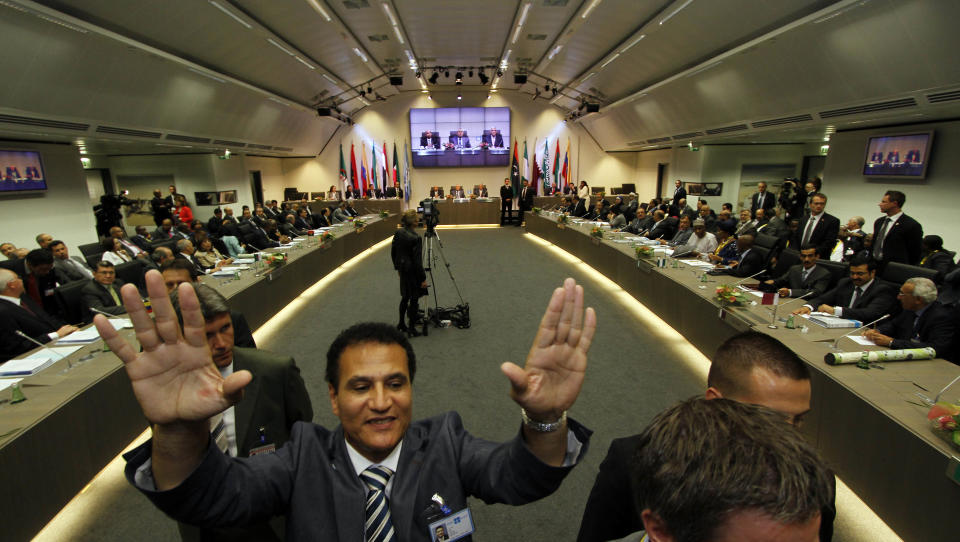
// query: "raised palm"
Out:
[173,377]
[556,364]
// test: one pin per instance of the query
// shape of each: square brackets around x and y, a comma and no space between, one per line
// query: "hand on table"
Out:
[783,292]
[878,338]
[802,310]
[825,308]
[66,330]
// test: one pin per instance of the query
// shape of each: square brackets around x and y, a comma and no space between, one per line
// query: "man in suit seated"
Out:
[71,268]
[457,192]
[804,279]
[289,228]
[20,313]
[436,192]
[923,323]
[770,223]
[165,231]
[273,233]
[493,138]
[664,227]
[323,479]
[708,217]
[858,297]
[215,223]
[481,191]
[896,236]
[391,191]
[185,252]
[748,263]
[103,292]
[936,258]
[640,223]
[747,225]
[429,139]
[340,214]
[142,239]
[751,368]
[41,278]
[460,140]
[700,243]
[616,220]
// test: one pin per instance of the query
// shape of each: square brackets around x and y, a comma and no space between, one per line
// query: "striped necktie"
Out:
[378,527]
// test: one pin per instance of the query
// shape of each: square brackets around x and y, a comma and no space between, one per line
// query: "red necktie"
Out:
[33,289]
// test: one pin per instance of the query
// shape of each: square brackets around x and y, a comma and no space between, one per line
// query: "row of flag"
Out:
[542,173]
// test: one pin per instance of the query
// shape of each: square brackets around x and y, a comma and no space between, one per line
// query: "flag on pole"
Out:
[343,171]
[535,172]
[515,171]
[353,169]
[386,167]
[564,171]
[363,169]
[569,163]
[373,169]
[395,166]
[545,163]
[406,174]
[556,163]
[525,172]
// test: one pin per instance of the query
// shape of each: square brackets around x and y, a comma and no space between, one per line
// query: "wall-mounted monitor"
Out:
[21,171]
[460,137]
[904,156]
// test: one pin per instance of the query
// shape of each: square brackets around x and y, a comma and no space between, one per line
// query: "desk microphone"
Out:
[811,292]
[773,323]
[41,345]
[750,277]
[107,314]
[861,328]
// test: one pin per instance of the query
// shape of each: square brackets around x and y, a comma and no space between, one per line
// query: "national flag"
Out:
[363,169]
[395,166]
[535,172]
[373,169]
[406,174]
[525,172]
[565,171]
[770,298]
[343,170]
[545,163]
[556,164]
[353,169]
[569,163]
[386,167]
[515,171]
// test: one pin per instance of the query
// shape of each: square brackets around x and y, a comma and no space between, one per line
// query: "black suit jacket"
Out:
[678,194]
[506,193]
[902,241]
[879,299]
[36,325]
[95,296]
[497,141]
[436,192]
[941,262]
[665,229]
[817,281]
[434,141]
[526,199]
[769,202]
[823,236]
[580,209]
[936,328]
[749,263]
[258,238]
[462,141]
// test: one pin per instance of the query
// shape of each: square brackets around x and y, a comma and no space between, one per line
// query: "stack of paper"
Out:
[832,322]
[25,367]
[84,336]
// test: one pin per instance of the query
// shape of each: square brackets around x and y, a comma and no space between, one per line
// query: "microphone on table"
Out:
[107,314]
[750,277]
[43,346]
[861,328]
[811,292]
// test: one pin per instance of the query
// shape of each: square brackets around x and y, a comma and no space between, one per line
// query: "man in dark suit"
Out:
[460,140]
[185,251]
[429,139]
[160,207]
[923,323]
[165,232]
[579,206]
[215,224]
[804,279]
[526,197]
[506,199]
[481,191]
[679,192]
[436,192]
[494,138]
[640,223]
[171,199]
[896,237]
[749,261]
[142,239]
[664,227]
[71,268]
[457,192]
[853,236]
[323,479]
[749,368]
[858,297]
[103,292]
[41,278]
[20,313]
[259,239]
[818,228]
[762,199]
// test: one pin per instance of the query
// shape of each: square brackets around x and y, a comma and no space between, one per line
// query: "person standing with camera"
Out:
[407,254]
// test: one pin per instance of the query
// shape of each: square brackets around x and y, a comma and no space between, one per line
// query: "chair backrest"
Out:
[837,270]
[91,248]
[71,302]
[93,259]
[765,252]
[169,243]
[897,273]
[132,273]
[785,260]
[766,241]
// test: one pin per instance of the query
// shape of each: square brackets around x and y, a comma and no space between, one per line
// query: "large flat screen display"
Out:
[900,156]
[21,171]
[460,137]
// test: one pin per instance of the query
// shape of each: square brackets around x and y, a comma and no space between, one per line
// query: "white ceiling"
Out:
[141,76]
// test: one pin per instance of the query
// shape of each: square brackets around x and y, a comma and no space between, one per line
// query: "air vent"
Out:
[658,140]
[783,120]
[941,97]
[191,139]
[356,4]
[687,135]
[536,37]
[261,147]
[725,129]
[27,121]
[226,143]
[127,132]
[881,106]
[378,37]
[284,149]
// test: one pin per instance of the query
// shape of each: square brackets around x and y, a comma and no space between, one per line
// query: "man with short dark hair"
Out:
[804,279]
[329,484]
[757,479]
[103,292]
[20,313]
[858,297]
[41,278]
[896,236]
[215,224]
[640,223]
[924,322]
[71,268]
[762,199]
[9,250]
[506,199]
[165,232]
[142,238]
[748,263]
[749,367]
[818,228]
[177,272]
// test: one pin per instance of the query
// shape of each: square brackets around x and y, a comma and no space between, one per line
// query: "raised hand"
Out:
[173,377]
[551,380]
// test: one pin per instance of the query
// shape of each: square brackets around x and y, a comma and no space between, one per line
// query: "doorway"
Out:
[661,177]
[256,187]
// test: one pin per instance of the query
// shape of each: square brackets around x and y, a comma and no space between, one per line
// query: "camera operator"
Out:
[407,254]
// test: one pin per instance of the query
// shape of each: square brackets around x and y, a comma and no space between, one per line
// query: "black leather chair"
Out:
[785,260]
[90,249]
[71,302]
[898,273]
[838,270]
[132,273]
[169,243]
[769,242]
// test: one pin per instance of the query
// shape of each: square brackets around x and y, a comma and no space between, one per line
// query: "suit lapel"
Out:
[243,411]
[404,511]
[349,492]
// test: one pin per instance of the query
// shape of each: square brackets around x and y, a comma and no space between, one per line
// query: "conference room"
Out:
[234,103]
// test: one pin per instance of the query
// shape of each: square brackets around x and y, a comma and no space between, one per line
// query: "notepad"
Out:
[25,367]
[84,336]
[833,322]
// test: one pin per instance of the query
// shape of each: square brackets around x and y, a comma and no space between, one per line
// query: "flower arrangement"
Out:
[484,145]
[537,211]
[359,223]
[644,251]
[945,421]
[384,214]
[729,295]
[448,145]
[275,259]
[563,219]
[326,237]
[597,232]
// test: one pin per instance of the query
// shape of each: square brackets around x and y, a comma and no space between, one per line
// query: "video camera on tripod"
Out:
[430,215]
[458,315]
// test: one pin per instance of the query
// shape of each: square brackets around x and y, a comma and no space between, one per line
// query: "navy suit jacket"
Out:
[823,236]
[902,241]
[936,328]
[36,325]
[312,480]
[878,300]
[817,281]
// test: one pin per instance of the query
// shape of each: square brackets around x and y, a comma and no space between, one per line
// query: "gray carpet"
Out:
[507,280]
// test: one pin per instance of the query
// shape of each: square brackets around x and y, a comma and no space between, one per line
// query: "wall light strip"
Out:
[319,9]
[592,5]
[360,54]
[611,59]
[281,47]
[305,63]
[230,14]
[674,12]
[634,42]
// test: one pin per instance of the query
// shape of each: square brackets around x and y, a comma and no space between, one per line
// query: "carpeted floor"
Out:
[507,280]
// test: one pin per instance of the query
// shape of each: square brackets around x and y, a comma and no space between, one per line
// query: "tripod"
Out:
[437,313]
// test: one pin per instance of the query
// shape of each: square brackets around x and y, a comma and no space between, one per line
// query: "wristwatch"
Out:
[542,427]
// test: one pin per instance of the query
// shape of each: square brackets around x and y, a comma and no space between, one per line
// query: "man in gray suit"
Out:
[72,268]
[805,279]
[332,485]
[340,214]
[103,292]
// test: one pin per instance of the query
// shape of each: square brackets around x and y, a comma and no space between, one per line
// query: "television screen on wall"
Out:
[21,171]
[898,156]
[460,137]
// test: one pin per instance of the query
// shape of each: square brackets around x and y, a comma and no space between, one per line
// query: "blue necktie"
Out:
[378,527]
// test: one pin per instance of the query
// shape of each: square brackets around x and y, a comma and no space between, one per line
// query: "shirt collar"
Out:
[361,463]
[894,218]
[14,300]
[865,286]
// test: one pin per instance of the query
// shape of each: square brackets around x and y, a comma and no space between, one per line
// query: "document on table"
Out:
[7,382]
[860,339]
[85,336]
[26,366]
